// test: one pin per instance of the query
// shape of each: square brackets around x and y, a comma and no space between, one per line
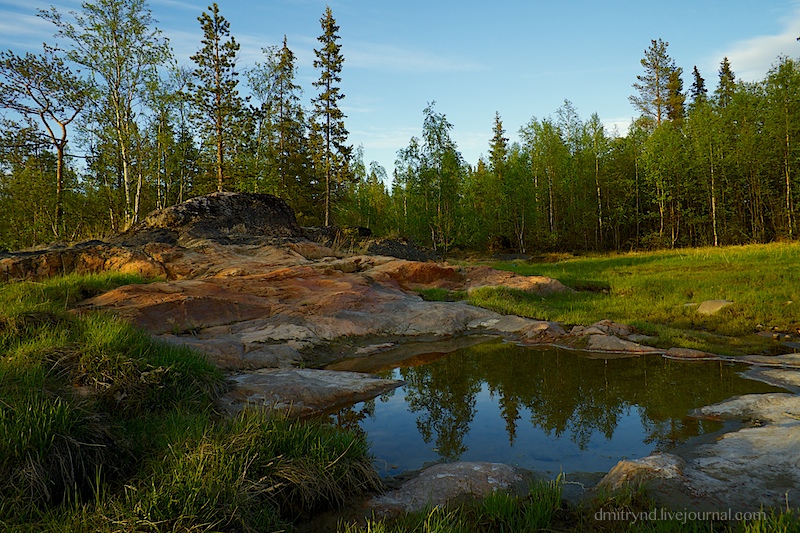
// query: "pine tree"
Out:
[290,128]
[218,106]
[653,86]
[332,154]
[498,147]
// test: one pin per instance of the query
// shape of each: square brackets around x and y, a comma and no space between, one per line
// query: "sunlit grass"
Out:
[656,291]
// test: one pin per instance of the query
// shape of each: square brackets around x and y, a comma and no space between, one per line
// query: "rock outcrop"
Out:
[222,217]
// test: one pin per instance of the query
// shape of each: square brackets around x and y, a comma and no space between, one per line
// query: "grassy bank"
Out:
[105,429]
[658,291]
[543,510]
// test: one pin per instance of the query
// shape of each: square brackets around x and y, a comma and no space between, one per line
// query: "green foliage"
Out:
[115,41]
[499,512]
[44,86]
[429,178]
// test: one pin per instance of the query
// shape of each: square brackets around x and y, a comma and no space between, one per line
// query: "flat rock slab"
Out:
[711,307]
[302,391]
[442,483]
[790,360]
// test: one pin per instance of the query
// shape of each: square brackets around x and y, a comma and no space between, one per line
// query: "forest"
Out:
[97,132]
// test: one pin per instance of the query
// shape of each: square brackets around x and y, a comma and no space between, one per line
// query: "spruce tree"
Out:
[332,154]
[290,128]
[676,98]
[698,90]
[727,84]
[498,147]
[218,106]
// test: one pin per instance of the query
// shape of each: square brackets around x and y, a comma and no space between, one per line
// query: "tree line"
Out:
[693,169]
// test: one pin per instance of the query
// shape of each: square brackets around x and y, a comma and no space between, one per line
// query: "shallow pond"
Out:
[548,410]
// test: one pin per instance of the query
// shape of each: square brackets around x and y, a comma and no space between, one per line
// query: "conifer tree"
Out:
[676,98]
[698,90]
[653,86]
[727,84]
[330,135]
[218,106]
[498,147]
[290,127]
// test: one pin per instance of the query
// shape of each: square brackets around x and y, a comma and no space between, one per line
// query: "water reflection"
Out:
[543,409]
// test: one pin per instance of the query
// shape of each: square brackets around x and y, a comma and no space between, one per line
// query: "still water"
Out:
[548,410]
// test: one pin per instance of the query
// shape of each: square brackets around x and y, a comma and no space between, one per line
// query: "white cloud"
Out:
[616,125]
[752,58]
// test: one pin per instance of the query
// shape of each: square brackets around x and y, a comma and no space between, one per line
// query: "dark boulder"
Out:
[222,217]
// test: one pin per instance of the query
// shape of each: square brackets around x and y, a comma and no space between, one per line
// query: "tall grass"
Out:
[105,429]
[654,291]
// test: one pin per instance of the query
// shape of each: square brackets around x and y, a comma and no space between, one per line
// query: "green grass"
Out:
[651,291]
[105,429]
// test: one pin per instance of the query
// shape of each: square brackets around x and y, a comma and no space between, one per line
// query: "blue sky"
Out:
[519,58]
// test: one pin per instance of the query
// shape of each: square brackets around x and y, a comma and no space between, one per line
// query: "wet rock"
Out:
[712,307]
[443,483]
[302,391]
[608,343]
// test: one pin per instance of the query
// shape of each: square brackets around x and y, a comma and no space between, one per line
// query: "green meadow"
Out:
[658,293]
